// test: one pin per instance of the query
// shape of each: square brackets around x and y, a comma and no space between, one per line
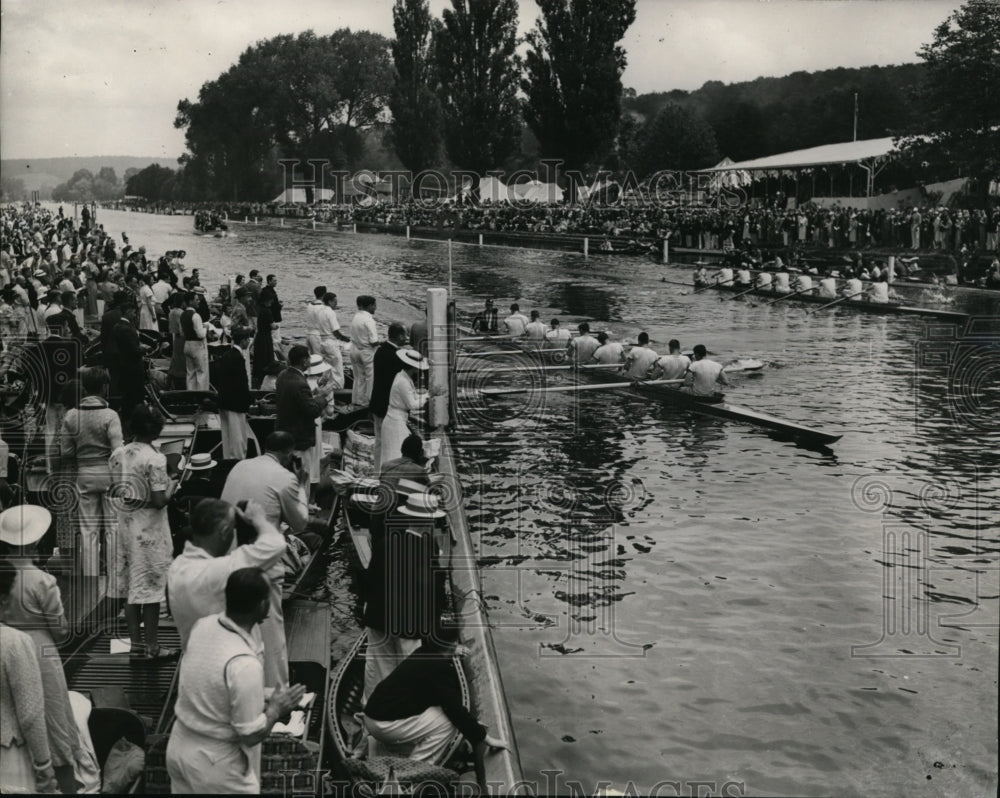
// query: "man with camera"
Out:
[196,580]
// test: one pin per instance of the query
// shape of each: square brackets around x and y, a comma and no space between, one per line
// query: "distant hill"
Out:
[805,109]
[42,173]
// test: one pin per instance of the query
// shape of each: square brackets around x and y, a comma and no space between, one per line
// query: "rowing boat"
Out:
[858,304]
[714,406]
[346,691]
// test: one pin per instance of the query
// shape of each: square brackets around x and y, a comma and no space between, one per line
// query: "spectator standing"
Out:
[222,716]
[385,366]
[234,396]
[364,340]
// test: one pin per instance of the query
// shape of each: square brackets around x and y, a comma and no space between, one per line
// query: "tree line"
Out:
[462,92]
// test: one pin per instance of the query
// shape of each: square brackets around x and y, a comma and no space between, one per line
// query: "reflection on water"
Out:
[684,599]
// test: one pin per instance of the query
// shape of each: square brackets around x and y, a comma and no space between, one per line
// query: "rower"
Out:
[764,281]
[703,374]
[557,336]
[673,366]
[640,359]
[608,352]
[535,331]
[724,276]
[486,322]
[828,288]
[701,275]
[743,278]
[879,292]
[582,348]
[853,287]
[516,323]
[781,283]
[803,283]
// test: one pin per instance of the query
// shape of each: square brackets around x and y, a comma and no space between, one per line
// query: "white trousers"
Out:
[200,764]
[363,365]
[96,514]
[196,365]
[235,433]
[423,737]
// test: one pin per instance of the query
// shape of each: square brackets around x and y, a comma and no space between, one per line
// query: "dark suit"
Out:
[230,377]
[297,410]
[266,292]
[130,366]
[386,366]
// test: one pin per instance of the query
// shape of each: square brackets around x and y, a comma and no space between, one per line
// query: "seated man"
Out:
[415,710]
[703,375]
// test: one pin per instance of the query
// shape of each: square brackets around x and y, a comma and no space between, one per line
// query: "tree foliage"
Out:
[572,79]
[304,96]
[155,183]
[84,186]
[12,189]
[415,130]
[674,139]
[478,70]
[962,92]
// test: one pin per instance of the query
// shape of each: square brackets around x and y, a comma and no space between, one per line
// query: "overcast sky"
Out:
[103,77]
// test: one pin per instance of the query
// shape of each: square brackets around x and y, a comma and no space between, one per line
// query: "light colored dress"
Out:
[403,398]
[147,314]
[35,607]
[23,736]
[144,545]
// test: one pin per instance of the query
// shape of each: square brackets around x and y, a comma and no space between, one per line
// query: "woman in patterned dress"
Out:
[142,490]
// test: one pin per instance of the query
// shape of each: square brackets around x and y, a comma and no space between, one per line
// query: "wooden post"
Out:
[586,247]
[437,354]
[314,224]
[354,227]
[892,269]
[281,221]
[407,232]
[255,220]
[480,239]
[666,250]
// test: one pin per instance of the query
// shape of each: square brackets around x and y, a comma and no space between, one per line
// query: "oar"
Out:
[787,296]
[529,367]
[585,387]
[676,282]
[716,284]
[492,353]
[836,302]
[750,290]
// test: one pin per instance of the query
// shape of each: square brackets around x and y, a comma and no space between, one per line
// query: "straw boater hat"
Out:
[201,462]
[366,491]
[422,505]
[317,366]
[411,357]
[24,524]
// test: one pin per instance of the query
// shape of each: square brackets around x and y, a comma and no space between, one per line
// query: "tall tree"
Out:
[674,139]
[477,70]
[963,86]
[572,79]
[304,96]
[415,131]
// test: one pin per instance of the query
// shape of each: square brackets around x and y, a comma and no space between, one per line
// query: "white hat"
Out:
[201,462]
[24,524]
[411,357]
[422,505]
[317,366]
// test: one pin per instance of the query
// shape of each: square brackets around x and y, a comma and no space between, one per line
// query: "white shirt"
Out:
[764,279]
[781,283]
[221,686]
[196,581]
[312,317]
[853,287]
[363,332]
[879,292]
[327,324]
[558,336]
[611,352]
[828,288]
[583,347]
[161,290]
[638,362]
[805,282]
[516,324]
[743,277]
[535,331]
[673,367]
[706,375]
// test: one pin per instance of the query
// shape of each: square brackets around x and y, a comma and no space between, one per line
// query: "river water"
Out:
[692,603]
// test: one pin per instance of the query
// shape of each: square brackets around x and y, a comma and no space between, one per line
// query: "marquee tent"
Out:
[537,191]
[492,189]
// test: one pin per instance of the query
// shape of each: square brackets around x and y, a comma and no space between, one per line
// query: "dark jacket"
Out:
[109,346]
[386,366]
[230,379]
[265,292]
[297,410]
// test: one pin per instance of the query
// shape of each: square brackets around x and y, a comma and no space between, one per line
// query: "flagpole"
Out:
[855,116]
[450,294]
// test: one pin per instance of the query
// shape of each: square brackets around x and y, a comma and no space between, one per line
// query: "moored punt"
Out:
[856,304]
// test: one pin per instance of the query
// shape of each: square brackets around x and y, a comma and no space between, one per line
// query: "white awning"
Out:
[843,153]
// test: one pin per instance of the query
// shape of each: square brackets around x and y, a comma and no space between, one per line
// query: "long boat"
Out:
[890,308]
[714,406]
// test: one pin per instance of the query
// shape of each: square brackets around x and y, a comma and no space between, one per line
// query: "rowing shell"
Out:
[870,307]
[716,407]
